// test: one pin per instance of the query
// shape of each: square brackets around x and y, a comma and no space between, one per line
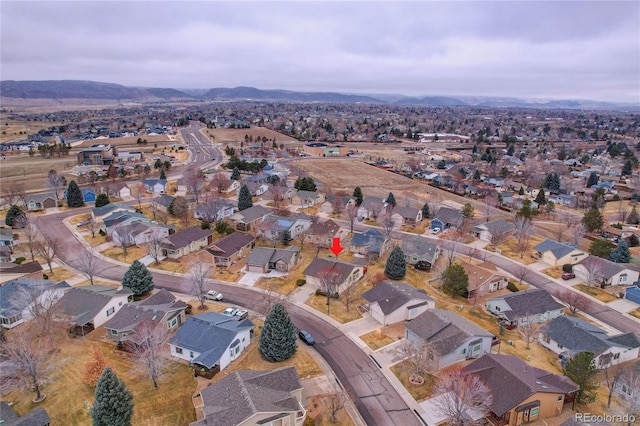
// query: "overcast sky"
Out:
[537,50]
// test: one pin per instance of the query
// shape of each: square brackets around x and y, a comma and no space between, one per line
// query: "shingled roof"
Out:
[319,264]
[83,303]
[185,237]
[10,300]
[263,255]
[527,303]
[558,249]
[226,246]
[391,295]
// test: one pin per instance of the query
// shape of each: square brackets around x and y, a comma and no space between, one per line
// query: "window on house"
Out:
[560,398]
[190,354]
[498,308]
[114,332]
[546,339]
[476,348]
[560,346]
[110,311]
[174,322]
[616,356]
[534,411]
[464,351]
[179,351]
[623,278]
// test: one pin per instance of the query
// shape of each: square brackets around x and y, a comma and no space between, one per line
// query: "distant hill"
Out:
[432,100]
[77,89]
[251,93]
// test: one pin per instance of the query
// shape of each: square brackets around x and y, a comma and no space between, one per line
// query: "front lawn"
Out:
[418,392]
[596,292]
[376,339]
[133,253]
[553,272]
[510,250]
[635,313]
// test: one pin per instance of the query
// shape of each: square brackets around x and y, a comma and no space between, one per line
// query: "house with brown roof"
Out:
[231,248]
[451,337]
[307,198]
[247,219]
[40,201]
[407,215]
[391,302]
[26,270]
[187,241]
[134,323]
[483,278]
[530,306]
[521,393]
[251,398]
[342,274]
[322,233]
[596,269]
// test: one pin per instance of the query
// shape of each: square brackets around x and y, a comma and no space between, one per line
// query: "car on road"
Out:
[568,275]
[213,295]
[241,314]
[230,311]
[435,230]
[306,337]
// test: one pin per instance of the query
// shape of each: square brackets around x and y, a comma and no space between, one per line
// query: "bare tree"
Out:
[38,305]
[351,215]
[521,272]
[13,192]
[180,208]
[92,225]
[452,246]
[578,232]
[197,279]
[88,264]
[574,300]
[139,191]
[420,360]
[29,361]
[337,205]
[210,209]
[328,281]
[593,269]
[270,297]
[458,394]
[336,403]
[277,193]
[523,230]
[528,328]
[31,236]
[155,243]
[194,180]
[387,222]
[48,248]
[56,183]
[488,206]
[149,350]
[612,376]
[121,236]
[219,183]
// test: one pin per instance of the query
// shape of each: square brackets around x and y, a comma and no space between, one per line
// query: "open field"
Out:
[11,128]
[237,135]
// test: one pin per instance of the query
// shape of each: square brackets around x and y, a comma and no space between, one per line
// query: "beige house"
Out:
[307,198]
[186,241]
[483,278]
[556,253]
[230,249]
[340,274]
[391,302]
[594,269]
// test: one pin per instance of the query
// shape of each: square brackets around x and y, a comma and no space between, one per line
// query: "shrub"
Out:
[45,276]
[512,287]
[567,267]
[102,233]
[19,260]
[322,293]
[300,282]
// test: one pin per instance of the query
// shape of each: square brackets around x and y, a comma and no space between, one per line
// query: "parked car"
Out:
[435,230]
[306,337]
[241,314]
[230,311]
[568,275]
[213,295]
[423,266]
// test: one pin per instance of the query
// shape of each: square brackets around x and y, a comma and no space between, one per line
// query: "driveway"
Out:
[623,305]
[250,278]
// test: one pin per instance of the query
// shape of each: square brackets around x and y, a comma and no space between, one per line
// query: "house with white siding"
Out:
[391,302]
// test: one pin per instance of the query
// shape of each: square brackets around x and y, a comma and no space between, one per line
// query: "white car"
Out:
[230,312]
[241,314]
[435,230]
[213,295]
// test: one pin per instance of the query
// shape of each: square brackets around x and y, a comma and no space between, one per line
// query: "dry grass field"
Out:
[596,292]
[320,412]
[237,135]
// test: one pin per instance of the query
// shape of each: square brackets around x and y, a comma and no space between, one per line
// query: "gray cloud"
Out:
[588,50]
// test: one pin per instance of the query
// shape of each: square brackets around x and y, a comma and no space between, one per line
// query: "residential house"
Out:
[213,211]
[633,293]
[40,201]
[5,254]
[530,306]
[322,233]
[483,278]
[133,324]
[568,336]
[247,219]
[99,213]
[391,302]
[256,189]
[156,186]
[308,198]
[556,253]
[97,155]
[407,215]
[6,237]
[231,248]
[258,178]
[521,393]
[568,200]
[371,207]
[446,218]
[265,259]
[328,205]
[271,397]
[162,202]
[273,226]
[451,337]
[18,297]
[37,417]
[211,341]
[605,272]
[26,270]
[340,274]
[87,307]
[370,243]
[628,384]
[88,195]
[187,241]
[417,249]
[494,231]
[139,232]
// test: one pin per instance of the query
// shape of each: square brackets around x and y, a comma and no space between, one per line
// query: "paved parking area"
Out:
[623,305]
[250,278]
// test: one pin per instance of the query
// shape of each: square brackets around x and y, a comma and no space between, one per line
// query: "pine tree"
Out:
[138,279]
[455,280]
[601,248]
[396,266]
[163,175]
[467,210]
[592,180]
[310,184]
[357,195]
[278,337]
[391,200]
[285,237]
[521,191]
[244,198]
[114,402]
[425,211]
[581,369]
[102,200]
[592,219]
[476,175]
[74,195]
[15,217]
[235,174]
[541,198]
[620,254]
[300,184]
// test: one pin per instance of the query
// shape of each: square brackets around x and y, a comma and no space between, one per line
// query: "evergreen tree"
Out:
[511,150]
[15,217]
[235,174]
[244,198]
[455,280]
[391,200]
[581,369]
[357,195]
[163,175]
[396,266]
[102,200]
[114,402]
[593,179]
[522,156]
[310,185]
[592,219]
[425,211]
[300,183]
[541,198]
[621,253]
[278,337]
[521,191]
[441,165]
[74,195]
[138,279]
[627,168]
[476,175]
[467,210]
[552,182]
[601,248]
[285,237]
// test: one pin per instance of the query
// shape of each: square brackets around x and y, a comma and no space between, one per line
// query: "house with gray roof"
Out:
[99,213]
[162,202]
[17,298]
[187,241]
[246,219]
[628,385]
[40,201]
[447,217]
[494,231]
[530,306]
[369,243]
[273,226]
[322,233]
[229,249]
[265,259]
[521,393]
[391,302]
[596,269]
[451,337]
[37,417]
[407,215]
[133,324]
[248,398]
[87,307]
[371,207]
[418,249]
[307,198]
[26,270]
[215,210]
[6,237]
[137,232]
[556,253]
[156,186]
[211,341]
[568,336]
[341,274]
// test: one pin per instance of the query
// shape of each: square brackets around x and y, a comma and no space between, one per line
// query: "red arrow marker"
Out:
[335,247]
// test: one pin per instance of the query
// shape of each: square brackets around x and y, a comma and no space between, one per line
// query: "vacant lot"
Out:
[237,135]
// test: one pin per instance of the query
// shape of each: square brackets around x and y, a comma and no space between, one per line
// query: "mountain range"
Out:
[79,89]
